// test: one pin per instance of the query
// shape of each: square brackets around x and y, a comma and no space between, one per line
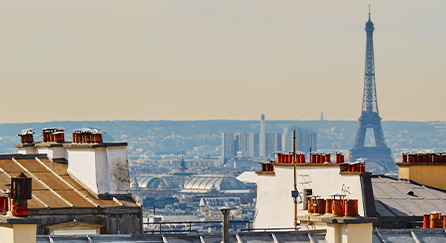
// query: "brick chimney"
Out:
[26,135]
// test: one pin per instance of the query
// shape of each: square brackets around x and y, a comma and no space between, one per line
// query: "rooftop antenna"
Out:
[295,180]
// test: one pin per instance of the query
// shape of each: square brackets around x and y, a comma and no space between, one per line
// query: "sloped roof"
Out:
[248,177]
[392,198]
[52,187]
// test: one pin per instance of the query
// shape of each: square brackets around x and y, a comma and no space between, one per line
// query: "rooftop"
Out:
[52,186]
[395,197]
[314,236]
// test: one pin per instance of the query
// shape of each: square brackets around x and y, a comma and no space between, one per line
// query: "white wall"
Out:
[45,150]
[275,206]
[27,150]
[81,164]
[118,169]
[102,175]
[103,169]
[58,152]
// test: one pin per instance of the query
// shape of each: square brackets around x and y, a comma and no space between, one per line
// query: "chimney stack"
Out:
[26,135]
[87,135]
[20,193]
[53,134]
[103,167]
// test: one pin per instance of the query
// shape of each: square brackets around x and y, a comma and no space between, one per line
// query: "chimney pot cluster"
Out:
[433,220]
[26,135]
[288,158]
[267,166]
[57,135]
[87,135]
[315,158]
[339,158]
[357,166]
[53,134]
[423,157]
[337,206]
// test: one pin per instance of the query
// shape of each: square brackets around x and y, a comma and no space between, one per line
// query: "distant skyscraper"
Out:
[322,115]
[287,139]
[243,142]
[278,142]
[228,145]
[270,144]
[236,144]
[262,137]
[314,142]
[253,144]
[305,139]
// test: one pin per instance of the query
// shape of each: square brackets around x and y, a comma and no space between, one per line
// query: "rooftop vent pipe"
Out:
[225,211]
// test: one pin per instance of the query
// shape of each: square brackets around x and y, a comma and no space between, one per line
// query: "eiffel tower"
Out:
[380,154]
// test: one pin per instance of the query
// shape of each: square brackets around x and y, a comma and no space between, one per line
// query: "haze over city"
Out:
[198,60]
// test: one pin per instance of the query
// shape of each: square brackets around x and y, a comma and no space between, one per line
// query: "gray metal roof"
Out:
[318,236]
[392,198]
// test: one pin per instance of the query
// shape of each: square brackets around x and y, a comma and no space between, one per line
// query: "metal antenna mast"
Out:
[370,118]
[295,179]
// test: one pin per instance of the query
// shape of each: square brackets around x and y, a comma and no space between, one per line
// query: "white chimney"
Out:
[102,167]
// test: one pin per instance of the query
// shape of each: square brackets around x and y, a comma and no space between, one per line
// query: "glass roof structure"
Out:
[155,182]
[222,183]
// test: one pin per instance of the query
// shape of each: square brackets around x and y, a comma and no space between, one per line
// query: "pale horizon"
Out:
[232,60]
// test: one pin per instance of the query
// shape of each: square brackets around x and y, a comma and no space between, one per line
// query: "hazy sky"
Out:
[195,60]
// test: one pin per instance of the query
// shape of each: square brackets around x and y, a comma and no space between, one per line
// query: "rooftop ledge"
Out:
[336,220]
[18,220]
[420,163]
[306,164]
[265,173]
[71,145]
[355,173]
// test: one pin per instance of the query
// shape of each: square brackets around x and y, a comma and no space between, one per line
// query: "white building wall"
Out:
[81,164]
[118,169]
[275,206]
[102,174]
[45,150]
[58,152]
[27,150]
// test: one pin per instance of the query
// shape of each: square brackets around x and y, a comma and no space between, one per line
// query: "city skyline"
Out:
[229,60]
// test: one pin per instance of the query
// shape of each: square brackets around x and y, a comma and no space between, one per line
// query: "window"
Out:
[307,192]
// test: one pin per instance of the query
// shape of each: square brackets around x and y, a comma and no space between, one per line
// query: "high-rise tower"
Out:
[370,118]
[262,137]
